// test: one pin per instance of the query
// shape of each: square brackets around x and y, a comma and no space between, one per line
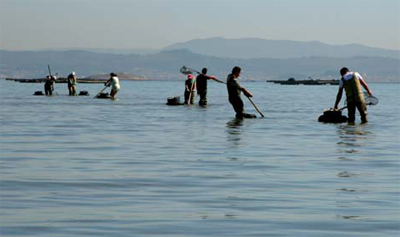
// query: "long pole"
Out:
[100,91]
[251,101]
[255,106]
[48,66]
[191,91]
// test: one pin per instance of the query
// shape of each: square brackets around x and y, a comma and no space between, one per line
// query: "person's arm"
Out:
[215,79]
[246,92]
[365,85]
[338,97]
[107,83]
[186,87]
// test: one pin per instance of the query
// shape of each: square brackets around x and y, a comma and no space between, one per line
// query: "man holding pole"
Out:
[201,81]
[49,85]
[234,92]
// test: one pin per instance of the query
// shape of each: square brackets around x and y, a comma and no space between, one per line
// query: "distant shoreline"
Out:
[64,80]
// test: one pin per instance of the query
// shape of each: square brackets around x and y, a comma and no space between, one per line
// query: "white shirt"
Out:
[115,83]
[349,76]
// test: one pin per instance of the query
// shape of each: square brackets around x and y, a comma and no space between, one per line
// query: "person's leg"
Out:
[238,107]
[203,98]
[201,95]
[74,90]
[186,97]
[192,97]
[113,93]
[351,112]
[362,109]
[46,89]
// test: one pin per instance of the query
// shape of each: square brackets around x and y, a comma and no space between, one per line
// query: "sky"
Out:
[154,24]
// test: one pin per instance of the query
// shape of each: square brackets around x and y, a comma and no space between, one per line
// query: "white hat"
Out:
[73,73]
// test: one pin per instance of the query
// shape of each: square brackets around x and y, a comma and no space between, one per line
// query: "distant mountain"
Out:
[107,50]
[121,76]
[165,65]
[250,48]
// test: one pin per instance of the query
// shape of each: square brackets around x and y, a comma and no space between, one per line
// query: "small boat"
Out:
[84,93]
[38,93]
[332,116]
[103,95]
[176,100]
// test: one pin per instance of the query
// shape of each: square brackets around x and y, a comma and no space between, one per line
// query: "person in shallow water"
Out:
[201,81]
[49,85]
[234,93]
[352,82]
[71,80]
[114,83]
[190,87]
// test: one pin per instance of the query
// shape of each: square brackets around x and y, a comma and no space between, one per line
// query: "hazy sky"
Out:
[38,24]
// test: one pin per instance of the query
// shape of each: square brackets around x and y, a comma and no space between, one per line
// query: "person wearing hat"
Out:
[190,87]
[114,83]
[71,80]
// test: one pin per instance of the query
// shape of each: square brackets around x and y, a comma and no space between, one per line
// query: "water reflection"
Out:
[234,130]
[352,137]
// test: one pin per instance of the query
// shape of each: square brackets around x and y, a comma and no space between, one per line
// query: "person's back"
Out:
[115,82]
[234,88]
[201,83]
[351,82]
[352,86]
[49,85]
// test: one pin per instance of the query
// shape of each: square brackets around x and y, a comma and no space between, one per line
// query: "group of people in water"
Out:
[350,82]
[234,88]
[113,82]
[51,79]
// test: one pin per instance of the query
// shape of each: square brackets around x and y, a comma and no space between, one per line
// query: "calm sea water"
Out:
[78,166]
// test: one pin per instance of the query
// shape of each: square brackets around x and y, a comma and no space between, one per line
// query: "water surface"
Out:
[78,166]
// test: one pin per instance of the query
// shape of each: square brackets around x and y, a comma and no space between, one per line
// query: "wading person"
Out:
[49,85]
[201,84]
[352,82]
[234,92]
[114,83]
[190,87]
[71,80]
